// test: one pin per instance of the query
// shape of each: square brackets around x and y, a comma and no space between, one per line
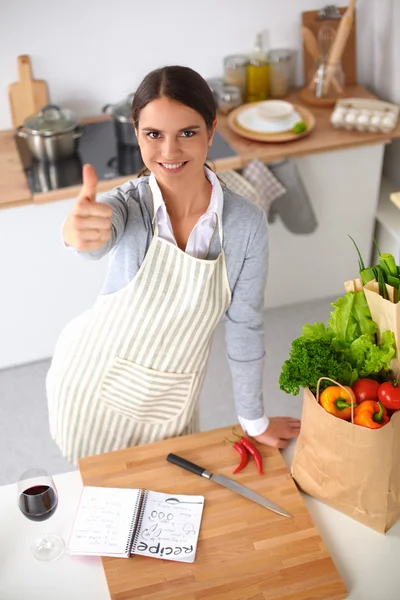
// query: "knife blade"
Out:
[232,485]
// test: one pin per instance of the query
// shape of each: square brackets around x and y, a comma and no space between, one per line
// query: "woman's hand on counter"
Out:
[279,432]
[88,226]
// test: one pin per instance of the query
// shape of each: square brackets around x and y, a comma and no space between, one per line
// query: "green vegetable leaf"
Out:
[352,318]
[342,321]
[318,331]
[375,358]
[363,316]
[311,359]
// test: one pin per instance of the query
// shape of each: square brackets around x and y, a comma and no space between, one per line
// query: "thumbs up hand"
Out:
[88,226]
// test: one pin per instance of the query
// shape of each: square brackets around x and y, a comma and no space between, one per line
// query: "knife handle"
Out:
[189,466]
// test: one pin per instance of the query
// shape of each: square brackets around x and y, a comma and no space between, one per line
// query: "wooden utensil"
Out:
[244,552]
[313,21]
[342,35]
[26,96]
[311,45]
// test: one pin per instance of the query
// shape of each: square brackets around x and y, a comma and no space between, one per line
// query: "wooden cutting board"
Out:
[26,96]
[245,552]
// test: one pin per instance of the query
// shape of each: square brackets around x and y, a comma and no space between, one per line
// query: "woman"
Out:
[184,253]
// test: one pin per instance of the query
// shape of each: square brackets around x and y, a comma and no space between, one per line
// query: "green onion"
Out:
[382,286]
[393,281]
[376,245]
[361,266]
[388,264]
[368,275]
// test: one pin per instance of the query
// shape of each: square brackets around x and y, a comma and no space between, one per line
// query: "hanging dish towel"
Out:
[294,207]
[238,184]
[269,188]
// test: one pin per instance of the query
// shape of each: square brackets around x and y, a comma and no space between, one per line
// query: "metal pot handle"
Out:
[21,131]
[112,162]
[78,133]
[49,107]
[106,107]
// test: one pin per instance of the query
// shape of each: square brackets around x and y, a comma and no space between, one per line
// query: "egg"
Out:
[388,122]
[375,121]
[363,120]
[350,119]
[337,117]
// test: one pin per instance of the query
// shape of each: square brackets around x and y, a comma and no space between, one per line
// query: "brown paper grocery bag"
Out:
[387,317]
[349,467]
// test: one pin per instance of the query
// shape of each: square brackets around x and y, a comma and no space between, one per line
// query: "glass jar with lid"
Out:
[235,71]
[281,71]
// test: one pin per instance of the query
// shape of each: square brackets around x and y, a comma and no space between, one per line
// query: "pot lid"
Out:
[52,120]
[122,110]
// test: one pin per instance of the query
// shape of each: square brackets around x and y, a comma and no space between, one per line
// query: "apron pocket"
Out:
[146,395]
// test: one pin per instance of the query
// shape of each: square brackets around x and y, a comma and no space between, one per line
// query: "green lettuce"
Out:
[352,318]
[345,350]
[368,358]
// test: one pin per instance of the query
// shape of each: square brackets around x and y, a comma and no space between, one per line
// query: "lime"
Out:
[300,127]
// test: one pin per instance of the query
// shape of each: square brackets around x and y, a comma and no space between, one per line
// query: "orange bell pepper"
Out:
[371,414]
[338,402]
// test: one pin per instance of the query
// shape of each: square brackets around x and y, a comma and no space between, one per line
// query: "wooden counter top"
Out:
[323,138]
[14,190]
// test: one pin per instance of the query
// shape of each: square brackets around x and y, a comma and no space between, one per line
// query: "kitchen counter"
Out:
[14,190]
[323,138]
[367,561]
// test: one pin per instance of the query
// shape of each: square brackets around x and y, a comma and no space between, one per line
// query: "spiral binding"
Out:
[136,523]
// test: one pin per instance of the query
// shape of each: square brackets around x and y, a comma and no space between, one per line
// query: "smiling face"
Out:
[173,140]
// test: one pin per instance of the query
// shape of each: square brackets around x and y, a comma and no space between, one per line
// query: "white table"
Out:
[368,562]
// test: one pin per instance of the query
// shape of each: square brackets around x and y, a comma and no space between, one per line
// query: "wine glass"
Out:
[37,500]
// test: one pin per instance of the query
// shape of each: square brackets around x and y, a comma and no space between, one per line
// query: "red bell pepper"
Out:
[389,395]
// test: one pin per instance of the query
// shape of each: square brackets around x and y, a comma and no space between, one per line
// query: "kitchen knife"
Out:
[232,485]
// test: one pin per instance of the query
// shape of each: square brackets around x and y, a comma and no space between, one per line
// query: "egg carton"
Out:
[365,115]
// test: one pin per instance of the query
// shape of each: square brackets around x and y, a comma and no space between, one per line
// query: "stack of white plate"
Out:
[271,116]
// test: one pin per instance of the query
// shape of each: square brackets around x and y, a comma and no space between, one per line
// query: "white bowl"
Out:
[275,110]
[251,120]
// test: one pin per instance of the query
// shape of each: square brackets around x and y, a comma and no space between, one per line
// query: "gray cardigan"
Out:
[245,241]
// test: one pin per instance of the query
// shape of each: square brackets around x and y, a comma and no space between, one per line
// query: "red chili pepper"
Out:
[244,455]
[253,451]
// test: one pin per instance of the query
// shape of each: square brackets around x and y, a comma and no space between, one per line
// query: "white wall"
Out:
[95,52]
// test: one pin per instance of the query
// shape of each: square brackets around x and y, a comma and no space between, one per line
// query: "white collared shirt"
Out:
[197,246]
[200,236]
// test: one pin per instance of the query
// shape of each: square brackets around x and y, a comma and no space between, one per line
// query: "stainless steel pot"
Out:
[122,117]
[52,134]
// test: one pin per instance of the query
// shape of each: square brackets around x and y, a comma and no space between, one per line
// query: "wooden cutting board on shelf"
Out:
[349,59]
[27,95]
[245,552]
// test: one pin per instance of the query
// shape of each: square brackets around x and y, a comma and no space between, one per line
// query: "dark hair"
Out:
[181,84]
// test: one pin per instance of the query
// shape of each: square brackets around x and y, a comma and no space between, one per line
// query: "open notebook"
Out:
[122,522]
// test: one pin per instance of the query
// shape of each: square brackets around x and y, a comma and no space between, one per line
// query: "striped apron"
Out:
[129,371]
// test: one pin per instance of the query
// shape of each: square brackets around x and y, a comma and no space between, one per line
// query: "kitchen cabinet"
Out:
[44,285]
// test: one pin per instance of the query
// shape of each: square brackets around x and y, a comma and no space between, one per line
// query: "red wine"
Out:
[38,502]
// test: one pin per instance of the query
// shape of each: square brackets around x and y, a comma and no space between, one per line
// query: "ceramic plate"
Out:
[251,120]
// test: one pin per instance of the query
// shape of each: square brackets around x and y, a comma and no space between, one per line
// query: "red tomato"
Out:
[365,389]
[389,395]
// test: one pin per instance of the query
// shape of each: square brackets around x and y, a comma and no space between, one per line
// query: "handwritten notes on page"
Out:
[104,521]
[169,526]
